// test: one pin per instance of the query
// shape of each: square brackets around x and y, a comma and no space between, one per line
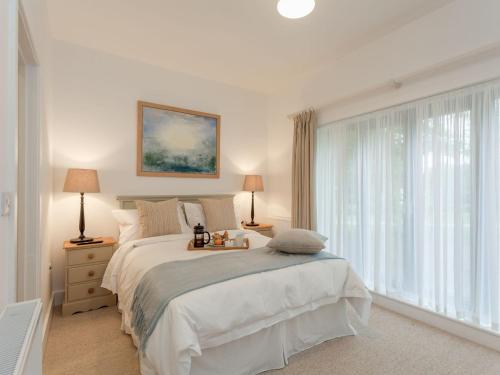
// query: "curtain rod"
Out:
[496,78]
[489,51]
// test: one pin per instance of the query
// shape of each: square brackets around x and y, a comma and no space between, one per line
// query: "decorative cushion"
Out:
[195,214]
[219,214]
[298,241]
[130,228]
[158,219]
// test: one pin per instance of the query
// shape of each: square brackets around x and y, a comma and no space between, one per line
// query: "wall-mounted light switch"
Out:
[5,203]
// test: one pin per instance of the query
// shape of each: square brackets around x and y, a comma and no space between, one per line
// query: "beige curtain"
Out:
[303,170]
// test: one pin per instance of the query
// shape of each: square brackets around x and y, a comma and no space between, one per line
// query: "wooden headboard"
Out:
[127,202]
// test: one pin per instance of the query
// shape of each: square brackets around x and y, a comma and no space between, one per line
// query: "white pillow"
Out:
[239,217]
[130,229]
[128,222]
[194,214]
[182,219]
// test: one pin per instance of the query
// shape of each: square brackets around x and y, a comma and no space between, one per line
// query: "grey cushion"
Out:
[298,241]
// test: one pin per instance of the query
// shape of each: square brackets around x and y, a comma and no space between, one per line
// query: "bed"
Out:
[242,326]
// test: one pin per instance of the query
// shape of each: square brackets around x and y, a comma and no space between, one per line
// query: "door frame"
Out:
[8,151]
[28,169]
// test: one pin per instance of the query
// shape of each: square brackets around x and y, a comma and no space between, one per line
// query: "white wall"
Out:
[94,126]
[455,30]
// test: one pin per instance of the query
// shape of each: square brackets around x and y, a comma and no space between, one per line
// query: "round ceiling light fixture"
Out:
[295,8]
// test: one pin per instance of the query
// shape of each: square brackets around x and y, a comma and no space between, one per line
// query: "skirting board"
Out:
[47,321]
[58,297]
[280,218]
[455,327]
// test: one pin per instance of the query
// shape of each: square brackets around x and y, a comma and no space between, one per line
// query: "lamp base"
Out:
[81,239]
[252,224]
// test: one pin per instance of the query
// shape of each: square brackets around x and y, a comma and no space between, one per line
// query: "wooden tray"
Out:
[246,246]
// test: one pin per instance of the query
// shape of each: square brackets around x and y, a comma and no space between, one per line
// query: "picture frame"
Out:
[177,142]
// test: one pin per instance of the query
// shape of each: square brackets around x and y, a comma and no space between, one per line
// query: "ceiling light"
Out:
[295,8]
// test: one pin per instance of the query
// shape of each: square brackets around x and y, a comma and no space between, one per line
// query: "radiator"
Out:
[21,339]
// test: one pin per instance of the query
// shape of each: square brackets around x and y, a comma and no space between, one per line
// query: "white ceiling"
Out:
[245,43]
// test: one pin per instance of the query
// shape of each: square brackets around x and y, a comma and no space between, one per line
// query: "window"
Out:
[411,196]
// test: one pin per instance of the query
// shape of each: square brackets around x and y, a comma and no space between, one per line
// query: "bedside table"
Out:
[264,229]
[85,266]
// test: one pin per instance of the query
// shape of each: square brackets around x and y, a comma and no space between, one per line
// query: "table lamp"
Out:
[253,183]
[81,181]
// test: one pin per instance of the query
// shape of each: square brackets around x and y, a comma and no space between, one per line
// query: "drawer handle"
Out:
[91,290]
[91,273]
[90,256]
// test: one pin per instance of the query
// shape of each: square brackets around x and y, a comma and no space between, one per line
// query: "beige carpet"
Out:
[92,343]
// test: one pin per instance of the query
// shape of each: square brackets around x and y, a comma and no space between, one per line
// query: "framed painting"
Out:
[176,142]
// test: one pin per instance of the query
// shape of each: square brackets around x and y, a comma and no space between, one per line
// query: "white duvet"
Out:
[227,311]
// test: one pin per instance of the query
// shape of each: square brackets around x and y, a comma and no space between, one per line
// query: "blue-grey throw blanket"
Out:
[162,283]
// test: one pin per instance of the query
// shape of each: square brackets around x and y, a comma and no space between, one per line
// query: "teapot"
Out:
[199,236]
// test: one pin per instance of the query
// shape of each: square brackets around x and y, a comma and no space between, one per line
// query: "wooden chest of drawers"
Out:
[85,266]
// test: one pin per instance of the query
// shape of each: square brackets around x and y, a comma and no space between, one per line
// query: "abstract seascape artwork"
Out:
[176,142]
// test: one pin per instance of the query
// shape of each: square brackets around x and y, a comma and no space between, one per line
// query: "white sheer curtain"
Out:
[411,196]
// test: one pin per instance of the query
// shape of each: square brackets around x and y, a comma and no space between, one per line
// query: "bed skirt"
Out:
[270,348]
